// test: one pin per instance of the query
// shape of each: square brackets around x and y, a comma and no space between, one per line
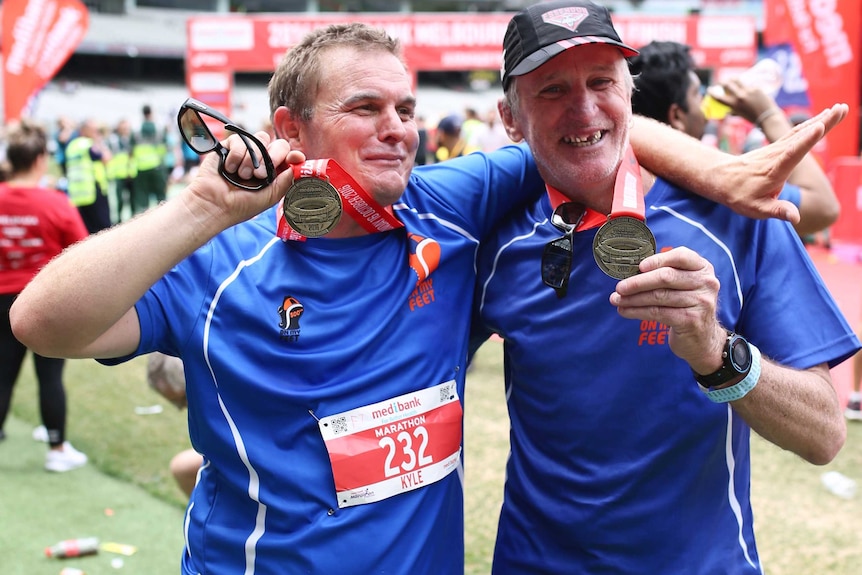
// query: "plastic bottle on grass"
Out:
[73,548]
[839,484]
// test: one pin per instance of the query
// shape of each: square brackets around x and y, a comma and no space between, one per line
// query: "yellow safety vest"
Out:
[147,153]
[101,175]
[121,166]
[80,172]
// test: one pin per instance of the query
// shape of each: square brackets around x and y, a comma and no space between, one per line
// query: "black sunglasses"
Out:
[198,136]
[557,257]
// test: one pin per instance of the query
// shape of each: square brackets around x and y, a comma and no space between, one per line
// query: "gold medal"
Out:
[312,206]
[621,244]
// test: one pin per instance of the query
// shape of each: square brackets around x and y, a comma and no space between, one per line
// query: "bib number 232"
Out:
[394,446]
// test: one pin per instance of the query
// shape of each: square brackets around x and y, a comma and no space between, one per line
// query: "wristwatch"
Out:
[736,359]
[740,358]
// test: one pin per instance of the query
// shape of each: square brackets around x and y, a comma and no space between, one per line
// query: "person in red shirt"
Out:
[36,224]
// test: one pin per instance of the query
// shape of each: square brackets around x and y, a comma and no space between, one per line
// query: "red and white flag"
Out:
[38,36]
[826,36]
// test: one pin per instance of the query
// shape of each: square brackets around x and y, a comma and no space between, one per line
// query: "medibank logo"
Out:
[396,407]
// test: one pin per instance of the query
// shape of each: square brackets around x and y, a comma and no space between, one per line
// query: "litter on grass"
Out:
[119,548]
[839,484]
[148,409]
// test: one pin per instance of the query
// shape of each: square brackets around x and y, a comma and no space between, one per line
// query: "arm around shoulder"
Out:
[750,183]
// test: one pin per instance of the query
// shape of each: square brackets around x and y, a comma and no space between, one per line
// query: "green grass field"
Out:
[802,528]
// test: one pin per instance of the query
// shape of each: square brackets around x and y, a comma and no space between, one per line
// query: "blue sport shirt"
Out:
[619,463]
[281,338]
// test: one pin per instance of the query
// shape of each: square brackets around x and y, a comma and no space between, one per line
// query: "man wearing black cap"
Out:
[629,442]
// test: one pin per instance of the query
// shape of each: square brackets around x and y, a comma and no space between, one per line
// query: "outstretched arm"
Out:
[818,206]
[82,303]
[748,183]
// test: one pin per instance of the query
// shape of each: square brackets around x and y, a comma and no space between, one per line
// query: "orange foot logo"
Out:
[424,256]
[290,311]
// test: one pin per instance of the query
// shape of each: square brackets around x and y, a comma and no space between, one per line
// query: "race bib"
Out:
[394,446]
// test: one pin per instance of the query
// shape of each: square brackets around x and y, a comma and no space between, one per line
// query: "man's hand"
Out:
[209,195]
[745,101]
[750,183]
[679,289]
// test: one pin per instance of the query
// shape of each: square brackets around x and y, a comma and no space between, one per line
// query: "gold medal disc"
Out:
[312,207]
[621,244]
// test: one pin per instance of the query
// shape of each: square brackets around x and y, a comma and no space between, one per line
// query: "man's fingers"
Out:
[781,209]
[680,258]
[835,115]
[677,270]
[830,117]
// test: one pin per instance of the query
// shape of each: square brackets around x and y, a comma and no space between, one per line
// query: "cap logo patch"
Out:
[569,18]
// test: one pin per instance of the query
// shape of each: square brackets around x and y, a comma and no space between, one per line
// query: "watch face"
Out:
[740,354]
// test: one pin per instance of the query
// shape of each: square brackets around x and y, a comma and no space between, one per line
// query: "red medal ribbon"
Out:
[628,195]
[628,189]
[355,201]
[592,218]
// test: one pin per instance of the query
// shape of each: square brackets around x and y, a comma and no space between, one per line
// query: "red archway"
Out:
[220,46]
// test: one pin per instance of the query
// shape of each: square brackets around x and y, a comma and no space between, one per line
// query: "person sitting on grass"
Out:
[165,375]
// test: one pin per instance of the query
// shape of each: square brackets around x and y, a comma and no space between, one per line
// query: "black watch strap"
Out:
[736,363]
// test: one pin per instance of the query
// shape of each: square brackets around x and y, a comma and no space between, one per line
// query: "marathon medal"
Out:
[625,240]
[321,191]
[312,206]
[621,244]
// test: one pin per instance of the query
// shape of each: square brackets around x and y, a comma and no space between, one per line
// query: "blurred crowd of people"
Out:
[112,173]
[459,134]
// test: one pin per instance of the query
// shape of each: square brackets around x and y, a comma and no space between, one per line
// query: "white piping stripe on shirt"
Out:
[711,236]
[430,216]
[731,488]
[253,479]
[445,224]
[500,251]
[186,524]
[188,518]
[733,501]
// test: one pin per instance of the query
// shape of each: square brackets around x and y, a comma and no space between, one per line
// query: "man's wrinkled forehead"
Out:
[369,74]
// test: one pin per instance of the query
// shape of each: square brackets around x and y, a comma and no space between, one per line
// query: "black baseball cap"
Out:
[538,33]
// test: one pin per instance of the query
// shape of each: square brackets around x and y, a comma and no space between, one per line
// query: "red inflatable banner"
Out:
[826,36]
[38,36]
